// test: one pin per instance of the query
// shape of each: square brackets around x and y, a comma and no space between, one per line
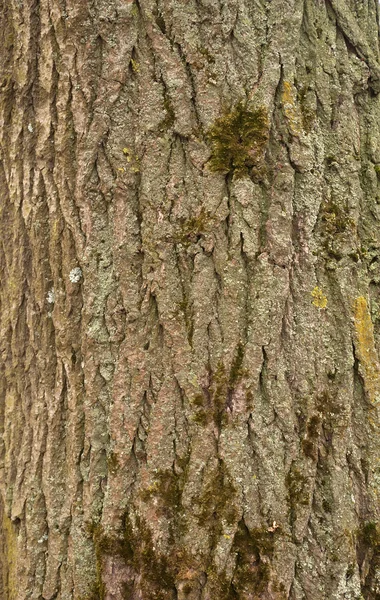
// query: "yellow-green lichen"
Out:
[135,66]
[132,160]
[319,298]
[292,113]
[366,350]
[238,141]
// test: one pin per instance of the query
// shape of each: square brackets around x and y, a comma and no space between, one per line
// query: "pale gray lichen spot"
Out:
[30,128]
[75,275]
[51,296]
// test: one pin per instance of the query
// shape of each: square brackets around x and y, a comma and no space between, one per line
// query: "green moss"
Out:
[136,547]
[327,505]
[238,141]
[219,389]
[370,535]
[254,551]
[377,170]
[336,218]
[236,371]
[168,121]
[309,445]
[296,483]
[337,226]
[200,417]
[113,462]
[223,385]
[208,56]
[216,502]
[350,571]
[97,591]
[198,400]
[191,229]
[298,495]
[167,490]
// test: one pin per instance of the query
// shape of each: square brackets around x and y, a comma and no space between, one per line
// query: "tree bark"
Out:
[190,301]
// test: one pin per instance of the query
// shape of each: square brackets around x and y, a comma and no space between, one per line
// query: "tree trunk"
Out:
[190,300]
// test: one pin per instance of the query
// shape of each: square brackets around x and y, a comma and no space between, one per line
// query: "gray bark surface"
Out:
[189,300]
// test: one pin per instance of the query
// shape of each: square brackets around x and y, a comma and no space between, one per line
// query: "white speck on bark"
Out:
[75,275]
[30,128]
[51,296]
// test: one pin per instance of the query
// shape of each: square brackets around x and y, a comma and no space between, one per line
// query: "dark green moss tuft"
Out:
[168,121]
[113,462]
[327,505]
[195,227]
[309,445]
[167,490]
[254,551]
[216,501]
[370,535]
[207,55]
[200,417]
[238,140]
[136,547]
[298,495]
[236,371]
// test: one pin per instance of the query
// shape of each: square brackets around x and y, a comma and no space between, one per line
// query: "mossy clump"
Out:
[309,445]
[296,484]
[167,489]
[224,383]
[237,371]
[113,463]
[239,139]
[336,218]
[137,550]
[254,551]
[216,502]
[193,228]
[298,494]
[207,54]
[370,535]
[169,119]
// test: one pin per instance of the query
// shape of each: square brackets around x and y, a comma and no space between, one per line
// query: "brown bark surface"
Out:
[189,300]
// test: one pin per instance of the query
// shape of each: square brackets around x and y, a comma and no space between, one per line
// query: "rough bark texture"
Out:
[190,300]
